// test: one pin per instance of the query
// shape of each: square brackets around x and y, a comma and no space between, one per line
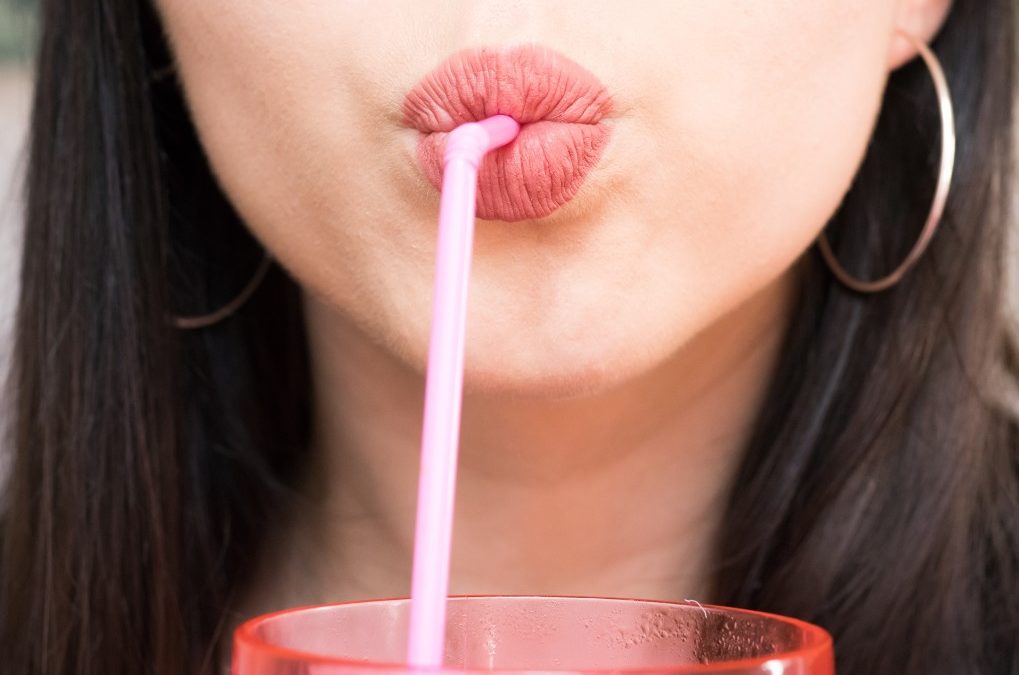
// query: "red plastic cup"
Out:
[535,633]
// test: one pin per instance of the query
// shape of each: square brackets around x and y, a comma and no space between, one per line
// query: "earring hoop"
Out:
[206,320]
[937,209]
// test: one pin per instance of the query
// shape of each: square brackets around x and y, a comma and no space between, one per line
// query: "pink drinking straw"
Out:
[465,146]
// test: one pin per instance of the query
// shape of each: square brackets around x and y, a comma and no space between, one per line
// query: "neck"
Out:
[617,493]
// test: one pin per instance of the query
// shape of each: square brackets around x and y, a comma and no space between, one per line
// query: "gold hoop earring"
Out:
[940,192]
[206,320]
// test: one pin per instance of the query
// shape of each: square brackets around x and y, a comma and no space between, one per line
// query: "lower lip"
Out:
[532,176]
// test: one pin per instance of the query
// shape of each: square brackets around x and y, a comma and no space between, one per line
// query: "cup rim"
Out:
[817,640]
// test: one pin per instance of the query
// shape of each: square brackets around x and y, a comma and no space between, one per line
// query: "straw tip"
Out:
[501,129]
[472,140]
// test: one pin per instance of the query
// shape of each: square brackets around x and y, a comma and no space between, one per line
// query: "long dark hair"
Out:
[879,495]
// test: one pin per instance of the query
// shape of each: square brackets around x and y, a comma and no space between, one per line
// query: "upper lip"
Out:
[526,82]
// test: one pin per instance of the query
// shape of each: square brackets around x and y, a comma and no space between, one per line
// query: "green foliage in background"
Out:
[18,29]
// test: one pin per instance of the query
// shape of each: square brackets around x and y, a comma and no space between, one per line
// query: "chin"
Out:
[521,369]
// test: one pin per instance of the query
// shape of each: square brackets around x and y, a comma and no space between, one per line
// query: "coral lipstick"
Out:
[559,105]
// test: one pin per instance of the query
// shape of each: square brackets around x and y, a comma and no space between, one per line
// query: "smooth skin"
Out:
[618,350]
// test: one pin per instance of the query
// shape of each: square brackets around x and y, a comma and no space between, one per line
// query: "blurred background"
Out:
[18,31]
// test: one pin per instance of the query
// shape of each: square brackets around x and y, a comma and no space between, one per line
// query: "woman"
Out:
[668,393]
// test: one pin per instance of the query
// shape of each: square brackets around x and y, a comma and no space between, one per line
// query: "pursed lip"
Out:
[559,104]
[527,82]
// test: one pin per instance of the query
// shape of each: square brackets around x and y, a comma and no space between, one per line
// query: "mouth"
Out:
[559,104]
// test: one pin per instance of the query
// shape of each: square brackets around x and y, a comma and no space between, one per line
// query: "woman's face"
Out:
[735,129]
